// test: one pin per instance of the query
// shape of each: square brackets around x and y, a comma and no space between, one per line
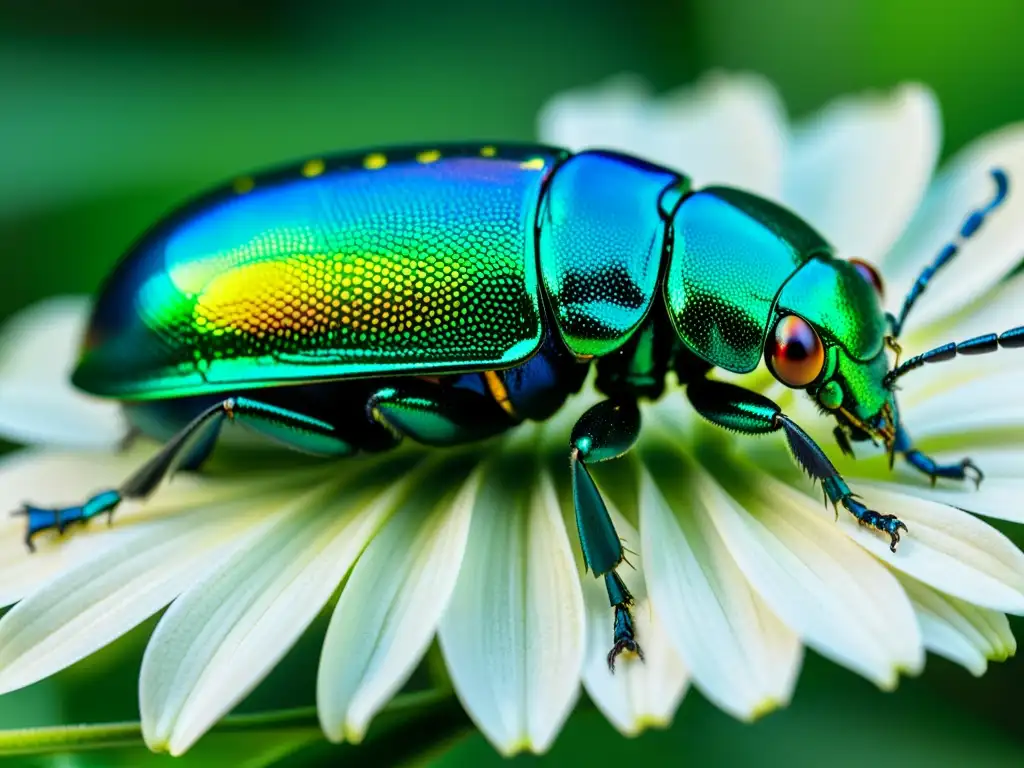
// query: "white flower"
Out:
[738,566]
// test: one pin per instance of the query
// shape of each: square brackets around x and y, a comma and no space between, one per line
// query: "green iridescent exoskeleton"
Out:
[733,253]
[446,294]
[358,269]
[601,234]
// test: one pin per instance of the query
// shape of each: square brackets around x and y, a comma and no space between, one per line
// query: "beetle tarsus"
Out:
[889,524]
[36,522]
[973,472]
[40,520]
[625,637]
[59,519]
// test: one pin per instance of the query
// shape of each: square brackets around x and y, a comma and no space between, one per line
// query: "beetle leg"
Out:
[433,414]
[961,470]
[741,410]
[604,432]
[299,431]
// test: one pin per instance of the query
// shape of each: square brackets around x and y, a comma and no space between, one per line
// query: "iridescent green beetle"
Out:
[448,293]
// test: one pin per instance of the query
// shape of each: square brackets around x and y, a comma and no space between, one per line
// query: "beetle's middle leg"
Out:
[605,431]
[741,410]
[295,429]
[432,413]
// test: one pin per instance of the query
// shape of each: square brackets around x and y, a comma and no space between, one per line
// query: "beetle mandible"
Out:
[447,294]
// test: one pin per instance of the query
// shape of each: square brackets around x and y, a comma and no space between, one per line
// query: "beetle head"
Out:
[829,336]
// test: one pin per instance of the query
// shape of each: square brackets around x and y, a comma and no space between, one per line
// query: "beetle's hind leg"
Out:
[188,446]
[138,486]
[604,432]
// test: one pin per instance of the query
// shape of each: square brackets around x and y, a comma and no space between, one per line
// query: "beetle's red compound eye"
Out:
[794,351]
[870,274]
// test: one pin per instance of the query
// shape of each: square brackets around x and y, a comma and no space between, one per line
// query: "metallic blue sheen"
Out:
[602,240]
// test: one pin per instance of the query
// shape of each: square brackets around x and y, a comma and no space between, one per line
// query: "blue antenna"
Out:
[970,226]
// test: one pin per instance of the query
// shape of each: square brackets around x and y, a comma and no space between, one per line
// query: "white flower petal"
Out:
[943,638]
[964,633]
[639,695]
[37,402]
[390,607]
[726,129]
[988,256]
[946,548]
[995,311]
[857,170]
[968,388]
[513,634]
[966,405]
[738,652]
[841,603]
[219,639]
[610,114]
[93,603]
[997,497]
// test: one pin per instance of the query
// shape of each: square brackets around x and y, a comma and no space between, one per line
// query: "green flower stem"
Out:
[69,738]
[406,710]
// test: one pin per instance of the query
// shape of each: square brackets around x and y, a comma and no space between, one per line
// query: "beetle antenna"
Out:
[979,345]
[968,229]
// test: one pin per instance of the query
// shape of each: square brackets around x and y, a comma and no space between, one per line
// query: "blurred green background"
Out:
[113,110]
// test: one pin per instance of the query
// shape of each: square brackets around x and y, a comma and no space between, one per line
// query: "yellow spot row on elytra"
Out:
[375,161]
[313,168]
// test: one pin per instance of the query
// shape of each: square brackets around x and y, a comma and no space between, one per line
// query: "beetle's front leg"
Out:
[961,470]
[741,410]
[604,432]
